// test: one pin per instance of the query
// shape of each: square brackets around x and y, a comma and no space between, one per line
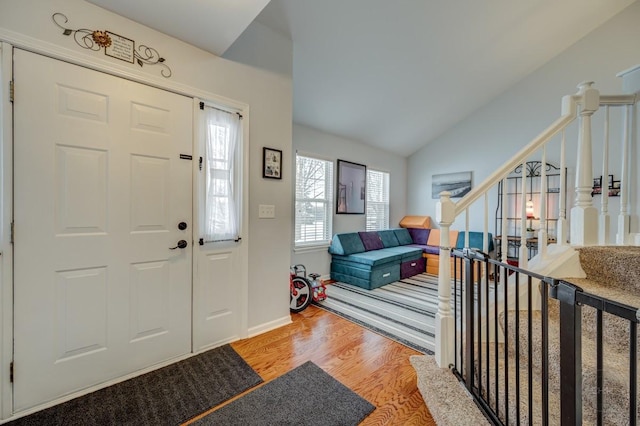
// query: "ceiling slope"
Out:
[212,25]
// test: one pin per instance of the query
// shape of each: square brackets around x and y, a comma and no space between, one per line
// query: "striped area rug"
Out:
[403,311]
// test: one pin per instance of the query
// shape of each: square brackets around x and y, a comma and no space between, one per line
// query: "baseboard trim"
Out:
[268,326]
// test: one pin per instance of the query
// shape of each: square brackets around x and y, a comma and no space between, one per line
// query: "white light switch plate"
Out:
[266,211]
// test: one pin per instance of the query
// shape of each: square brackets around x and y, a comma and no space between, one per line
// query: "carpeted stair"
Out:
[613,273]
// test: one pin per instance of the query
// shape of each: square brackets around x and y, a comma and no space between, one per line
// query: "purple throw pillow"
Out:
[371,240]
[419,235]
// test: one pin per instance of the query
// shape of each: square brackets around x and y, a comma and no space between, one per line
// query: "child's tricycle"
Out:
[303,291]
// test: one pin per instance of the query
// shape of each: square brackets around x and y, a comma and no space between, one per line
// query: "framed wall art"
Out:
[271,163]
[352,184]
[458,184]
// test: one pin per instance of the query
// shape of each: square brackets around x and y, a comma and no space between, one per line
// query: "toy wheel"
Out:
[301,295]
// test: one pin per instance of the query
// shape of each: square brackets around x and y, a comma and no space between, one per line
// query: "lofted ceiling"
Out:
[212,25]
[392,74]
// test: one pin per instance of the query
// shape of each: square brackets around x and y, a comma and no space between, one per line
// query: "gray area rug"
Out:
[404,310]
[167,396]
[304,396]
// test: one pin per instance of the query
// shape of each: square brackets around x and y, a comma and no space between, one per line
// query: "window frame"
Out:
[372,204]
[235,180]
[327,200]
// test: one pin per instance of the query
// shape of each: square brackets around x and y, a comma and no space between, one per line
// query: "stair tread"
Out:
[613,266]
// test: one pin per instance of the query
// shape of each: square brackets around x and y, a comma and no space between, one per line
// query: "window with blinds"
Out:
[377,200]
[314,201]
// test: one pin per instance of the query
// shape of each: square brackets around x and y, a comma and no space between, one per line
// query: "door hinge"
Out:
[12,231]
[11,91]
[11,372]
[200,163]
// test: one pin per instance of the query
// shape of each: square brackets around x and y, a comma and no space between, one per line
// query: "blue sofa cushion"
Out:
[403,236]
[410,252]
[419,235]
[371,240]
[346,244]
[370,258]
[389,238]
[475,240]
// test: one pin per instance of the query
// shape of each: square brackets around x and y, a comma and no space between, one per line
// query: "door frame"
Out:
[9,41]
[6,217]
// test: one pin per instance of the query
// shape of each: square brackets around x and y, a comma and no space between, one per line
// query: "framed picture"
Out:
[458,184]
[597,186]
[352,184]
[271,163]
[597,182]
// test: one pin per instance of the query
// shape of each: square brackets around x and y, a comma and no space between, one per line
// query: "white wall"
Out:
[311,141]
[487,138]
[268,95]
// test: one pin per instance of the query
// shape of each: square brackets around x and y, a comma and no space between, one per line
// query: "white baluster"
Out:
[542,232]
[584,217]
[504,242]
[561,232]
[524,252]
[485,229]
[623,218]
[445,322]
[605,221]
[466,227]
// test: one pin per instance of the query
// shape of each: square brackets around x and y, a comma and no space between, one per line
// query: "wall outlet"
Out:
[266,211]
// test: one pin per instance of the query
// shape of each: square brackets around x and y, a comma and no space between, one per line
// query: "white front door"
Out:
[100,190]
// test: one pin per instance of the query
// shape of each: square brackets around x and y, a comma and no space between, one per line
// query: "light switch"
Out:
[266,211]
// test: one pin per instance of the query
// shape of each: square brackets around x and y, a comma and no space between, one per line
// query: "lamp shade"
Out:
[529,209]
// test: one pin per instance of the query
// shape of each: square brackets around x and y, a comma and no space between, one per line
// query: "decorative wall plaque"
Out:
[114,45]
[121,48]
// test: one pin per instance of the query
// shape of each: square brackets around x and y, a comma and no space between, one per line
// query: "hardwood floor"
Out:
[371,365]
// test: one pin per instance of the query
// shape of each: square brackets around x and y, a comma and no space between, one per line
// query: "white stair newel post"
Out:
[542,233]
[524,252]
[561,232]
[605,220]
[584,217]
[623,218]
[445,322]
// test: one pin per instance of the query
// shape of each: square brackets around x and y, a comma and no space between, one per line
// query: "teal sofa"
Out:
[373,259]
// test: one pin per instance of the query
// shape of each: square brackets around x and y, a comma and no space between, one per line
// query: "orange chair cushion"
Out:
[415,222]
[434,238]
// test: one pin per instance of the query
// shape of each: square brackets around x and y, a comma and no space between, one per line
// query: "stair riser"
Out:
[616,366]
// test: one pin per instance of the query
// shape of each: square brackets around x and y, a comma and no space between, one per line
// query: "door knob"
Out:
[182,226]
[181,244]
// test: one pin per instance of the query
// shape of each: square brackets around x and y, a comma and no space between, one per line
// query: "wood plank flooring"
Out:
[373,366]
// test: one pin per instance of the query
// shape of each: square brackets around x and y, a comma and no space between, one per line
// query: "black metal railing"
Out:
[528,365]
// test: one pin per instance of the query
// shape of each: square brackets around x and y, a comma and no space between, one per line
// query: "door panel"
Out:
[99,191]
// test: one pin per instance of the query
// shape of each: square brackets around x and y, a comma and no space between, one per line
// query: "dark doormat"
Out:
[304,396]
[167,396]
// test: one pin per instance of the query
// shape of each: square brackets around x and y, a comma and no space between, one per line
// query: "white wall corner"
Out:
[630,79]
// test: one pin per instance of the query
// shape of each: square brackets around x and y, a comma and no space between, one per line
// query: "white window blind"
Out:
[314,201]
[377,200]
[223,135]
